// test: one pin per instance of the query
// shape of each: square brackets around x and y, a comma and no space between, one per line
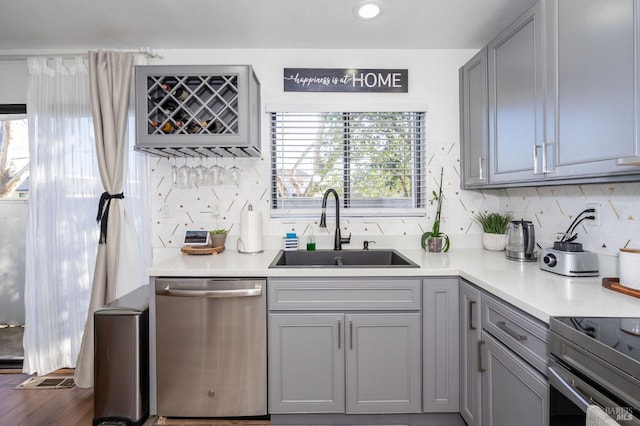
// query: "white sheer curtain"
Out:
[62,234]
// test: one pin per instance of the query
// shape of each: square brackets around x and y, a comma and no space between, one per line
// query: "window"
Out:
[374,160]
[14,151]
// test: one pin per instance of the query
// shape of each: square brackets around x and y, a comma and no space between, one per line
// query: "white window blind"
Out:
[374,160]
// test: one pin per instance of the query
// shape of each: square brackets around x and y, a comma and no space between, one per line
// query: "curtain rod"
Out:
[12,55]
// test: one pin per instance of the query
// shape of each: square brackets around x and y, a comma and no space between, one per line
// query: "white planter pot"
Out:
[494,242]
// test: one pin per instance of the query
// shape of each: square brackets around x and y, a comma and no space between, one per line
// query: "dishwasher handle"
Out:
[213,294]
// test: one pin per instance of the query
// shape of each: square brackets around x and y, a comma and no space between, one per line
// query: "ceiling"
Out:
[220,24]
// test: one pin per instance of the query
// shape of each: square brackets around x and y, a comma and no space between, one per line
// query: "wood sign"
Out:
[346,80]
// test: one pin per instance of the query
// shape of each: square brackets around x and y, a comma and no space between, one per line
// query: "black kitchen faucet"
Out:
[338,240]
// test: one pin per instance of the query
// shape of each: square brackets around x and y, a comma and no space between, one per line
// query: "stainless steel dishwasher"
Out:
[211,347]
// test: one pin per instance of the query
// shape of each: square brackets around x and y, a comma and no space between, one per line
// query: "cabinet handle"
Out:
[339,334]
[544,170]
[503,326]
[535,159]
[481,369]
[351,335]
[470,305]
[480,171]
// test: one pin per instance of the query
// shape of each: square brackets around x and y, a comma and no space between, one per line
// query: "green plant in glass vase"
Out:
[435,240]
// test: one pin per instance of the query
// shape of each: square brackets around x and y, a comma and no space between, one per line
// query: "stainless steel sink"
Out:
[342,259]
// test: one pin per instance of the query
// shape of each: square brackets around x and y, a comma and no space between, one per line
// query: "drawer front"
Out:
[523,334]
[292,294]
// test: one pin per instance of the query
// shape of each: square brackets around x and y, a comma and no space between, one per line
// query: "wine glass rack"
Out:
[197,110]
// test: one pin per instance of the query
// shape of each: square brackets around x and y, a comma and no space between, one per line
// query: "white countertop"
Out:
[523,284]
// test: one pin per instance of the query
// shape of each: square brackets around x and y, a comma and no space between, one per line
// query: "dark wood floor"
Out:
[66,407]
[43,407]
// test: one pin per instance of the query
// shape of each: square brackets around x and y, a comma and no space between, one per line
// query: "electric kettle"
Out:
[521,241]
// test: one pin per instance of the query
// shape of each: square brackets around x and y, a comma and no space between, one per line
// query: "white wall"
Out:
[433,82]
[13,84]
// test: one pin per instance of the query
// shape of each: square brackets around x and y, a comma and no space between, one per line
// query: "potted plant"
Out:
[218,237]
[434,240]
[494,227]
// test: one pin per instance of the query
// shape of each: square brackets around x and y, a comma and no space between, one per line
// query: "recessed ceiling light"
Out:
[368,9]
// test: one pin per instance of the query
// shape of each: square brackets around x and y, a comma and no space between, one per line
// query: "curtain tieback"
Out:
[103,213]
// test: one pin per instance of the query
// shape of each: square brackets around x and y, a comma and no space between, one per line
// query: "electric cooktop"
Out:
[605,337]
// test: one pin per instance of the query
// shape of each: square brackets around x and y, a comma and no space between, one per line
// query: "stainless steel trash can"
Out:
[121,371]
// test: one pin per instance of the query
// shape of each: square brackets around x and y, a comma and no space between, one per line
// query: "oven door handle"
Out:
[567,389]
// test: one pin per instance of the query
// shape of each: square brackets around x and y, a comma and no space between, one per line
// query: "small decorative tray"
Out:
[202,250]
[614,284]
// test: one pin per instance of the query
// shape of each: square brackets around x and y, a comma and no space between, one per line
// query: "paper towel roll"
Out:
[250,240]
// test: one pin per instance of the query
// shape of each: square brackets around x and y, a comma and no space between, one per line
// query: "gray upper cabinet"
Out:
[516,127]
[474,121]
[197,110]
[592,108]
[563,98]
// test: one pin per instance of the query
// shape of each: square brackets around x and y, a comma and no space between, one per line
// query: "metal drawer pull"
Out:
[503,326]
[480,368]
[339,334]
[351,335]
[472,326]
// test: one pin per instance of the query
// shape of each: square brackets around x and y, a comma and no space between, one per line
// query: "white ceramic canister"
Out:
[630,268]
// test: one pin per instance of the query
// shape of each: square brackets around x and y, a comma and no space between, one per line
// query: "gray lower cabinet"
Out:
[344,345]
[503,358]
[306,363]
[513,392]
[440,345]
[470,341]
[382,358]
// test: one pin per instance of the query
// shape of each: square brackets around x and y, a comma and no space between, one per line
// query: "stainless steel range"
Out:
[594,361]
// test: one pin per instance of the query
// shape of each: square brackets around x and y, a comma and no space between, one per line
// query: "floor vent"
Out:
[47,382]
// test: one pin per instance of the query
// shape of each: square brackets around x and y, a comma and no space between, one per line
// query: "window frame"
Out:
[419,167]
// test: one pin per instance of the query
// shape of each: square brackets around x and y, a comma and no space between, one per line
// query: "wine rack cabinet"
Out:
[197,110]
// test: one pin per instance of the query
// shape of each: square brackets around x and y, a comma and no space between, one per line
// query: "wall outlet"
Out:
[165,211]
[596,214]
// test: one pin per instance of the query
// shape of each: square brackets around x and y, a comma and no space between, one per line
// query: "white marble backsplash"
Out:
[551,208]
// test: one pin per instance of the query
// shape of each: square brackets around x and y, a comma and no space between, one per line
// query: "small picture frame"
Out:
[196,238]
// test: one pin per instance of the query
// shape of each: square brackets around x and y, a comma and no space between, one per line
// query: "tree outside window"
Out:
[373,159]
[14,151]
